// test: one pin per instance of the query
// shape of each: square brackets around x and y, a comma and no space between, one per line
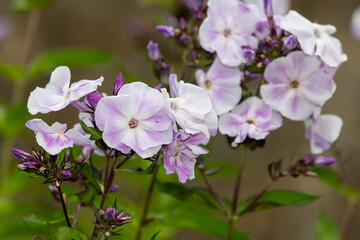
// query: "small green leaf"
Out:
[47,62]
[329,177]
[155,235]
[254,69]
[65,233]
[87,196]
[194,195]
[37,220]
[325,229]
[276,198]
[149,170]
[93,176]
[95,133]
[13,72]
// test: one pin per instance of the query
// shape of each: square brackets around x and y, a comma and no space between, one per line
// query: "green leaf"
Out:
[13,72]
[12,122]
[154,236]
[325,228]
[329,177]
[28,5]
[195,195]
[65,233]
[93,176]
[95,133]
[87,196]
[37,220]
[200,221]
[276,198]
[149,170]
[47,62]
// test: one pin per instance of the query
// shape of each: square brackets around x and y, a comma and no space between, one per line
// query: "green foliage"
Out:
[22,6]
[276,198]
[13,72]
[95,133]
[154,236]
[41,220]
[196,195]
[13,120]
[149,170]
[325,229]
[329,177]
[65,233]
[197,220]
[70,57]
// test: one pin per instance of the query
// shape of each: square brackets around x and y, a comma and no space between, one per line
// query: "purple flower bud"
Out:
[166,69]
[153,51]
[183,24]
[310,173]
[81,106]
[197,14]
[184,38]
[273,43]
[93,98]
[120,81]
[266,61]
[111,214]
[32,165]
[158,87]
[249,54]
[268,8]
[167,31]
[22,167]
[324,161]
[23,156]
[194,54]
[114,188]
[290,42]
[66,174]
[101,212]
[67,165]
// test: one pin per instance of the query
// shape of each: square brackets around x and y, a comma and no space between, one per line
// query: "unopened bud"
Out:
[290,42]
[249,54]
[93,98]
[66,174]
[153,51]
[268,8]
[167,31]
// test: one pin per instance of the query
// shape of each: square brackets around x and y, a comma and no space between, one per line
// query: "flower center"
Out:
[227,32]
[250,121]
[207,84]
[133,123]
[59,132]
[294,84]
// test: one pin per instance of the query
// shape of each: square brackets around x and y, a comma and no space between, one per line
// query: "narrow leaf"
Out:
[154,236]
[95,133]
[276,198]
[325,229]
[65,233]
[13,72]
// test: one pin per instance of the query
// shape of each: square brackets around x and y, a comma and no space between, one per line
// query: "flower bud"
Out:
[22,167]
[111,214]
[114,188]
[120,81]
[167,31]
[81,106]
[183,24]
[24,156]
[184,38]
[107,234]
[153,51]
[324,161]
[66,174]
[197,14]
[268,8]
[93,98]
[290,42]
[67,165]
[249,54]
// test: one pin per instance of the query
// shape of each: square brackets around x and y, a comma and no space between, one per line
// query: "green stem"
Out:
[147,204]
[254,201]
[64,206]
[232,218]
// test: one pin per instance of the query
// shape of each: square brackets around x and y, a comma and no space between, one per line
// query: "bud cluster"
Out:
[109,220]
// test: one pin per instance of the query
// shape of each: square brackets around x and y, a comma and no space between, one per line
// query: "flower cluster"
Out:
[263,66]
[109,220]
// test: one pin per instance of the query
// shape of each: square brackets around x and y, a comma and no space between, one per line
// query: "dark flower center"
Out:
[133,123]
[294,84]
[207,83]
[250,121]
[227,32]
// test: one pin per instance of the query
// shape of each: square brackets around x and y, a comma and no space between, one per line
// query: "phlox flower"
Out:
[228,27]
[322,132]
[251,118]
[58,93]
[222,83]
[315,39]
[180,155]
[191,108]
[134,119]
[53,139]
[355,24]
[297,85]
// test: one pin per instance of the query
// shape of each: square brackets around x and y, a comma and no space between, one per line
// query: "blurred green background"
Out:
[122,28]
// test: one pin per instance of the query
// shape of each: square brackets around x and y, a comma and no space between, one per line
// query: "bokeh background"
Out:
[123,29]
